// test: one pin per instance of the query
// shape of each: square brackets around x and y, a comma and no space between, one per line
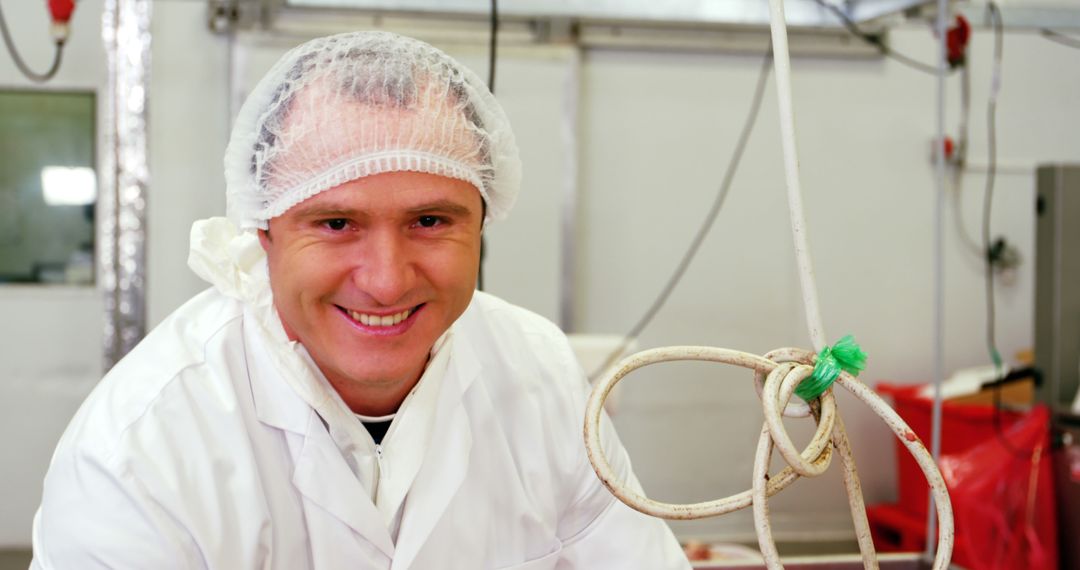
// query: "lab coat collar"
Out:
[323,476]
[447,459]
[406,442]
[321,473]
[276,402]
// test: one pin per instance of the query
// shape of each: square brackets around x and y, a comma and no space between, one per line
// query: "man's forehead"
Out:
[394,192]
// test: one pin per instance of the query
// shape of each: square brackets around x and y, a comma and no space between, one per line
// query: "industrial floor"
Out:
[20,559]
[14,559]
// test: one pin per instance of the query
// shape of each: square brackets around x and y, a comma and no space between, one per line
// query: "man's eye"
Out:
[336,224]
[428,221]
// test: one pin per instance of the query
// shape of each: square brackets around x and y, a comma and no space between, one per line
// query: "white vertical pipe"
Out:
[569,219]
[791,169]
[939,266]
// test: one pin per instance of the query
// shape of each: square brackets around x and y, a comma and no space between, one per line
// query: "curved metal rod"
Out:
[778,391]
[781,378]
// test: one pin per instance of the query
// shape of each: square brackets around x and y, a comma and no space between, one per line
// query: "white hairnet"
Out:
[353,105]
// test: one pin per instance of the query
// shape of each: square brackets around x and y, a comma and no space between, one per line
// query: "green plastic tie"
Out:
[846,355]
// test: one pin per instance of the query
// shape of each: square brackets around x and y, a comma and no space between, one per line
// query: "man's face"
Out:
[369,274]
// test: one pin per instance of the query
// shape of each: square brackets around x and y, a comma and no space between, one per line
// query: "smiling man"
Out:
[342,397]
[368,275]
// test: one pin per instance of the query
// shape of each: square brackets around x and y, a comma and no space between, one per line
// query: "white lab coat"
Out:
[196,452]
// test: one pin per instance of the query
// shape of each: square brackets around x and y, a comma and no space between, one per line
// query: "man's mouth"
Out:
[370,320]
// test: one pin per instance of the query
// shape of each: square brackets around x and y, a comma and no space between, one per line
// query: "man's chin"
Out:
[384,376]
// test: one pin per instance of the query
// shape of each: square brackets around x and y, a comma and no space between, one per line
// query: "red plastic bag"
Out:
[1003,498]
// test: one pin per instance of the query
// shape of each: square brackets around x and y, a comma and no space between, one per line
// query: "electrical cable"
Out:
[876,41]
[998,429]
[493,43]
[988,197]
[989,256]
[959,163]
[29,73]
[706,225]
[1060,38]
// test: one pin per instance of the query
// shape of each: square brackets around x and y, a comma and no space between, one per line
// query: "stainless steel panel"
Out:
[1057,283]
[728,12]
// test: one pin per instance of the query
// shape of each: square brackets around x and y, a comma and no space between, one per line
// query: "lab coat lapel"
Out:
[324,478]
[276,403]
[320,472]
[447,459]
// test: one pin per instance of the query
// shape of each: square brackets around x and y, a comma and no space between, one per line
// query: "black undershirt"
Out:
[377,429]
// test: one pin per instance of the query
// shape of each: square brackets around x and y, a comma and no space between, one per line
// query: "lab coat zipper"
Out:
[378,471]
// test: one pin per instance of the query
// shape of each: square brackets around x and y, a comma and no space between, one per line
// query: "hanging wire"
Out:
[876,40]
[494,36]
[493,45]
[29,73]
[1060,38]
[988,198]
[999,429]
[959,164]
[706,225]
[1001,376]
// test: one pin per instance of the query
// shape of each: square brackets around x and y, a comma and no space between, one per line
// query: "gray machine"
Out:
[1057,335]
[1057,283]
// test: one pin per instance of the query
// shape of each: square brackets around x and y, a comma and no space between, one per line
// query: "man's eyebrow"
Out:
[448,207]
[326,212]
[442,206]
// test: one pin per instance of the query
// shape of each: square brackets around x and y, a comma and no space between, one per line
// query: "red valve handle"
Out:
[61,10]
[956,41]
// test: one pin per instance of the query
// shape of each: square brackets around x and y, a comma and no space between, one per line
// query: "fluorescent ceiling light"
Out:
[68,185]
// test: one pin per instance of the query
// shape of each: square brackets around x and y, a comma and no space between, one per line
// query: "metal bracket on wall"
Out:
[739,27]
[1020,17]
[227,16]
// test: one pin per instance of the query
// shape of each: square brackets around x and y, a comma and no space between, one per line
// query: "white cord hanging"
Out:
[776,375]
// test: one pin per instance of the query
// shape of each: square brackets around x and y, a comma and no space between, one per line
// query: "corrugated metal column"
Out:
[124,176]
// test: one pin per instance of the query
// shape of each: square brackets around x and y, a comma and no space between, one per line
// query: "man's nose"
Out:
[387,272]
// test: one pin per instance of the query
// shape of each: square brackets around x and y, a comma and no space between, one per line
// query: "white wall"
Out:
[51,337]
[189,127]
[657,129]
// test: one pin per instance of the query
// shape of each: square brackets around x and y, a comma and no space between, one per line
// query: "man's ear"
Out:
[483,216]
[264,239]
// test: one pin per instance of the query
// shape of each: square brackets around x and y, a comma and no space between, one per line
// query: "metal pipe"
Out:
[569,219]
[939,263]
[782,65]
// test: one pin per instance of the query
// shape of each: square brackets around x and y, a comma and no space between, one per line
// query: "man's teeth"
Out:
[380,321]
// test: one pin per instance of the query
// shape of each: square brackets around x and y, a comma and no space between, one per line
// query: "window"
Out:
[48,187]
